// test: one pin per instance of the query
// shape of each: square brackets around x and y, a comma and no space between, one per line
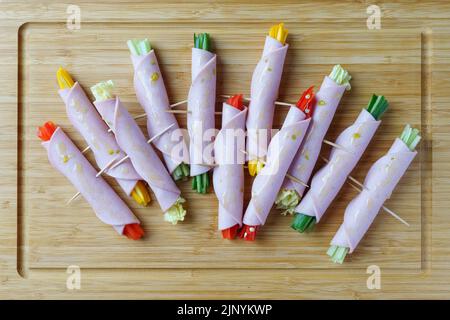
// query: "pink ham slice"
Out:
[152,95]
[228,177]
[264,91]
[66,158]
[281,151]
[147,163]
[201,109]
[327,100]
[327,182]
[88,122]
[380,181]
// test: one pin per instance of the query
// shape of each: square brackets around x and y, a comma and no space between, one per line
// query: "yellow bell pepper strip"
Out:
[140,193]
[411,137]
[280,33]
[201,183]
[132,231]
[376,106]
[140,48]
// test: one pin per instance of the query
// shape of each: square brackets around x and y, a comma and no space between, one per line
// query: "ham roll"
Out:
[327,182]
[264,91]
[144,159]
[152,95]
[281,151]
[379,184]
[327,101]
[65,157]
[228,177]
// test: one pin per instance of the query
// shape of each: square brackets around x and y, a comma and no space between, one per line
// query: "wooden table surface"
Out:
[407,60]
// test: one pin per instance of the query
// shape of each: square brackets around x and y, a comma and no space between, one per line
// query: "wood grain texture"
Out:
[407,61]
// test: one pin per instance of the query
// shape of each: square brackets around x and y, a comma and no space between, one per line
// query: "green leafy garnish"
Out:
[287,200]
[139,47]
[303,223]
[176,212]
[181,172]
[377,106]
[410,136]
[341,76]
[202,41]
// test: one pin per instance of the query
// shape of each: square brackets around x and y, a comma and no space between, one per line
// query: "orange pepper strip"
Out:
[248,232]
[133,231]
[46,131]
[236,101]
[306,102]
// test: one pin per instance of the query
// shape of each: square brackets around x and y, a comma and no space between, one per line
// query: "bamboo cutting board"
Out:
[407,61]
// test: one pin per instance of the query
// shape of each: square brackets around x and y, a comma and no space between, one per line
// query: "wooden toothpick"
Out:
[289,176]
[112,164]
[361,187]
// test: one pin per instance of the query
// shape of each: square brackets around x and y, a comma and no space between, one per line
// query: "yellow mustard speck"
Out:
[356,135]
[111,151]
[294,137]
[322,103]
[154,76]
[65,158]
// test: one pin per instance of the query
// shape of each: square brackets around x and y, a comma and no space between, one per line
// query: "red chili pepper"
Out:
[133,231]
[231,232]
[307,101]
[248,232]
[46,131]
[237,101]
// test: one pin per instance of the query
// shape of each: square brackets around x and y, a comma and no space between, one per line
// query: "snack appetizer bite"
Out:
[228,176]
[264,91]
[102,143]
[201,112]
[327,101]
[347,151]
[144,159]
[280,153]
[380,182]
[65,157]
[152,95]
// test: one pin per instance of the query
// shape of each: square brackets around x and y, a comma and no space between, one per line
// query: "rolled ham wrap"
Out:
[281,151]
[327,101]
[144,159]
[89,124]
[264,91]
[87,121]
[152,95]
[327,182]
[379,184]
[201,112]
[65,157]
[228,176]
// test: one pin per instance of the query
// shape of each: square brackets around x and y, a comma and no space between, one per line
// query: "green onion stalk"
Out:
[376,107]
[141,48]
[288,199]
[201,183]
[411,137]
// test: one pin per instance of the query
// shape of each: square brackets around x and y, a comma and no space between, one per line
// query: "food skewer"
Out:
[90,125]
[329,180]
[380,181]
[327,100]
[280,153]
[141,154]
[201,110]
[152,96]
[265,84]
[107,205]
[112,164]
